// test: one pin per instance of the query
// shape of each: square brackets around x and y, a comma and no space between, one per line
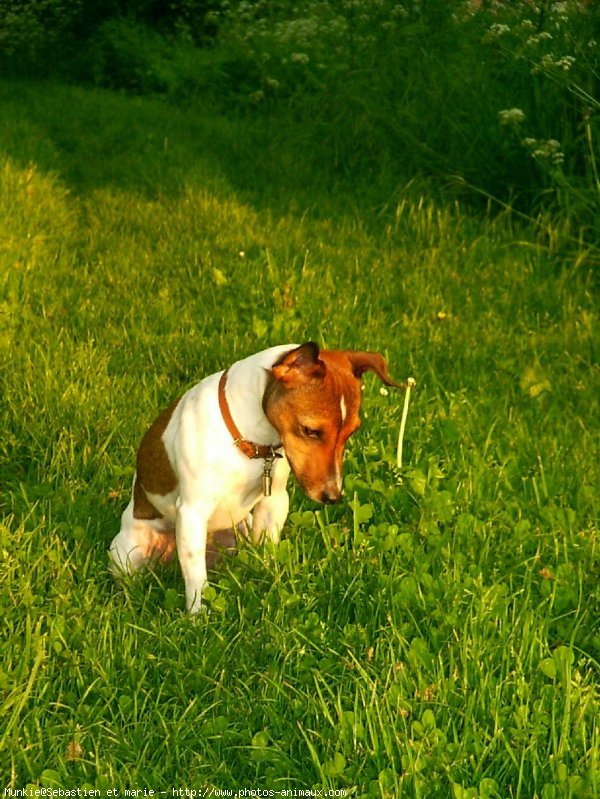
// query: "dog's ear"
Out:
[300,366]
[362,362]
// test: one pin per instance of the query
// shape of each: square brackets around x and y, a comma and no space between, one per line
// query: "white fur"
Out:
[218,486]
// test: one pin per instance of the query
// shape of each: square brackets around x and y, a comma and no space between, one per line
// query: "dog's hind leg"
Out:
[141,540]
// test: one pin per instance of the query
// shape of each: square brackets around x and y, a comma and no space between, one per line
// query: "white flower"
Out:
[566,62]
[546,151]
[383,391]
[495,31]
[546,62]
[511,117]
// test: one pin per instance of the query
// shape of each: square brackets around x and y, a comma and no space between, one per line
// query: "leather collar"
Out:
[249,448]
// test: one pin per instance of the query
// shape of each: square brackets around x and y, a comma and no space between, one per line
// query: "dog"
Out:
[220,456]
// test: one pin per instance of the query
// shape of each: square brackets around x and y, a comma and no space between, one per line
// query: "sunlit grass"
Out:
[436,634]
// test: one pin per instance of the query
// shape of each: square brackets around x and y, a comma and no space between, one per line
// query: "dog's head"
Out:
[313,401]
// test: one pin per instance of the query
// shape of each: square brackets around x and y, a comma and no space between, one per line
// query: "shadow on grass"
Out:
[93,138]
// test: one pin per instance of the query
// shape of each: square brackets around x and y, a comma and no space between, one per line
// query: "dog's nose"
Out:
[331,496]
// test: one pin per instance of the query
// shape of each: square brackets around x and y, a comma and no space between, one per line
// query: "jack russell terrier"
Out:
[220,456]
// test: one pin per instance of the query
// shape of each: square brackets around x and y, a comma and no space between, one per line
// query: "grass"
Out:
[435,635]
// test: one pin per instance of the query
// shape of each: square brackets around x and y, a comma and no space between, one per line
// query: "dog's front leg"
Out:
[191,550]
[269,515]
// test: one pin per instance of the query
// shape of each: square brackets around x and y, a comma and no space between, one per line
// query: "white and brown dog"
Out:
[221,455]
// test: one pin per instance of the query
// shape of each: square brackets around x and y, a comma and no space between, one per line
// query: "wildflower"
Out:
[565,63]
[511,117]
[383,391]
[496,31]
[547,62]
[555,154]
[532,41]
[399,11]
[299,58]
[546,151]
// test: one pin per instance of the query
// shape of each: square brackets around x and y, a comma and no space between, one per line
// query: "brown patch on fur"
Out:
[154,473]
[362,362]
[142,507]
[162,546]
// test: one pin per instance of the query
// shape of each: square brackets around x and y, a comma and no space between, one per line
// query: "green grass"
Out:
[436,634]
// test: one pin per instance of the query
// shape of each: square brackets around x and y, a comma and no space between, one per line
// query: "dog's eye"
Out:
[310,432]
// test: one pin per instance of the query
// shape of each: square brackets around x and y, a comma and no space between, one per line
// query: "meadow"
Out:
[435,634]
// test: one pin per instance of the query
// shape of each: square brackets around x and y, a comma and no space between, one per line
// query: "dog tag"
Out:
[266,481]
[267,484]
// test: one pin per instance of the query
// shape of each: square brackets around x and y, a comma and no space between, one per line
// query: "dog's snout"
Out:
[331,495]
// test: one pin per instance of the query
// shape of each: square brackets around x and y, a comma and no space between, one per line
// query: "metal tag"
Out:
[266,481]
[266,484]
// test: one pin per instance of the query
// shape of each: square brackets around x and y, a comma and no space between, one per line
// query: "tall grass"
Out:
[392,92]
[490,102]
